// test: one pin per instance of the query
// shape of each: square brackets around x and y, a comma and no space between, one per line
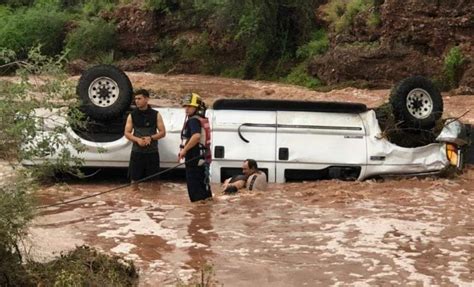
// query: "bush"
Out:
[167,55]
[20,123]
[91,38]
[341,13]
[50,5]
[374,20]
[4,12]
[94,7]
[84,266]
[23,30]
[452,68]
[299,76]
[17,3]
[16,210]
[318,45]
[268,31]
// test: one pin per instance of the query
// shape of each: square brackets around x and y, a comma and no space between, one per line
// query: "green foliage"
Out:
[106,58]
[318,45]
[17,3]
[35,113]
[85,266]
[94,7]
[24,29]
[200,52]
[374,20]
[166,6]
[167,55]
[48,5]
[5,11]
[191,54]
[341,13]
[268,31]
[91,38]
[299,76]
[16,210]
[452,68]
[232,72]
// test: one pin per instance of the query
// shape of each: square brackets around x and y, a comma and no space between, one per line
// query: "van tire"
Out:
[105,92]
[416,103]
[102,130]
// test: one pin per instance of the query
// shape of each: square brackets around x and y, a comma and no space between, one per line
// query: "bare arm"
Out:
[161,128]
[128,132]
[194,140]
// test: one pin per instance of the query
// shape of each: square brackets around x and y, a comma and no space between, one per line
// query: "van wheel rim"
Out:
[419,103]
[103,92]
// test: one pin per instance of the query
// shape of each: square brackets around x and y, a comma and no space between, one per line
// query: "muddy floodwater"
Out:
[403,232]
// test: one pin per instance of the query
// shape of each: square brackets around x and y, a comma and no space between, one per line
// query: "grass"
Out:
[452,67]
[85,266]
[341,13]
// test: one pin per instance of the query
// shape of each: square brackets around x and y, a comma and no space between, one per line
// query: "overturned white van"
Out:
[290,140]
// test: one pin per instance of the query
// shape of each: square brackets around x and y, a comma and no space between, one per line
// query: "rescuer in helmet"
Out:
[196,148]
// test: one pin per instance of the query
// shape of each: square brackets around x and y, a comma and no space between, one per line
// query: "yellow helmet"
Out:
[193,100]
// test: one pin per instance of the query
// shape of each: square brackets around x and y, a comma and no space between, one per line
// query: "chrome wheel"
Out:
[103,92]
[419,103]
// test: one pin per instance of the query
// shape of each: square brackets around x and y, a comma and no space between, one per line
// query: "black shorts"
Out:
[143,164]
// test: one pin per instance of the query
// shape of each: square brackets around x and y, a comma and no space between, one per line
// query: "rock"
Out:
[268,91]
[77,67]
[464,90]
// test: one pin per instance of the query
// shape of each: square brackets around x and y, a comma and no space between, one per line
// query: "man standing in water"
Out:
[195,149]
[144,128]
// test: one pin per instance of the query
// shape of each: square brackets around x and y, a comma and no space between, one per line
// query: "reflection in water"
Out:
[202,232]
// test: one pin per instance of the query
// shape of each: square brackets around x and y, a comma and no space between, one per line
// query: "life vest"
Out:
[204,141]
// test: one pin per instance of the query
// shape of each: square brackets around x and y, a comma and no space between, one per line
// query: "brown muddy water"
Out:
[401,232]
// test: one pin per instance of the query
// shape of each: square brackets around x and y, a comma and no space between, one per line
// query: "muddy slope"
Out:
[413,38]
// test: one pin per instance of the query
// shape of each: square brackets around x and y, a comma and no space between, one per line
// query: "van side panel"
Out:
[173,119]
[314,141]
[238,135]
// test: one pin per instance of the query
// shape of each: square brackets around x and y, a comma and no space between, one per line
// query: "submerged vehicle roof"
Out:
[286,105]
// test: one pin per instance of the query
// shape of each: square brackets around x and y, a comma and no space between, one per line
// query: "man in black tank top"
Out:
[144,128]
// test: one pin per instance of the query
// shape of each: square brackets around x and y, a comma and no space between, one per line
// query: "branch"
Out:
[17,63]
[456,118]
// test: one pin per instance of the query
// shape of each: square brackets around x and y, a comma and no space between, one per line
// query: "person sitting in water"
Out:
[252,178]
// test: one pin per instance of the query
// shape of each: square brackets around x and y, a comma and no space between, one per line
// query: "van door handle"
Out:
[283,153]
[377,157]
[252,125]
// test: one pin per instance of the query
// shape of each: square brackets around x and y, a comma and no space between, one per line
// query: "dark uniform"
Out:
[144,161]
[197,171]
